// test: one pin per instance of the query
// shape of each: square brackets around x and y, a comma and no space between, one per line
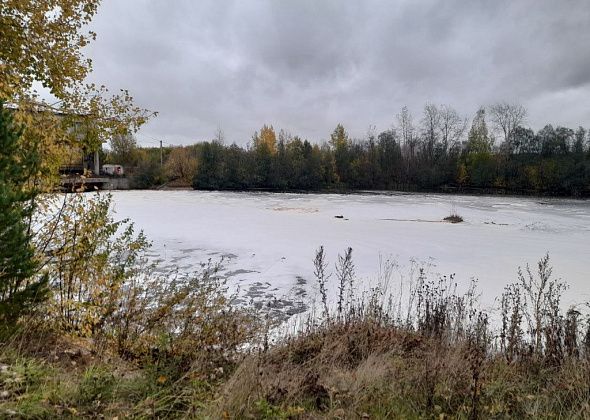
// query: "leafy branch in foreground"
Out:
[42,42]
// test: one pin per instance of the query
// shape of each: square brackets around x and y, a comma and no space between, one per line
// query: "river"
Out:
[268,240]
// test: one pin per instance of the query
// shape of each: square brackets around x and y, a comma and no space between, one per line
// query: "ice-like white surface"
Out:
[271,238]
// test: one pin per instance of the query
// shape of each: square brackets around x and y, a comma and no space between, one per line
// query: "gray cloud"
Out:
[307,65]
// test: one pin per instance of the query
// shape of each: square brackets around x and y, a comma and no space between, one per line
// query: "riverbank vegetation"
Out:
[442,152]
[132,342]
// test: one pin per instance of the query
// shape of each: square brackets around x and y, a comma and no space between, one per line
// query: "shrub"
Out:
[453,217]
[104,288]
[443,359]
[187,320]
[90,259]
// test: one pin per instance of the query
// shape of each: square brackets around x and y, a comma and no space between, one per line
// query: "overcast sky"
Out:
[306,65]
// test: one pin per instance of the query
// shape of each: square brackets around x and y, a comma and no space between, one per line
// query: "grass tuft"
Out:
[453,217]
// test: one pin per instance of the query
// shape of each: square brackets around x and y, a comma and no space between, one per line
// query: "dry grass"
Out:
[443,360]
[453,218]
[370,371]
[179,348]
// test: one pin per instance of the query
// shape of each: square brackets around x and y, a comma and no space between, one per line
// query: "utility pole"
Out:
[161,156]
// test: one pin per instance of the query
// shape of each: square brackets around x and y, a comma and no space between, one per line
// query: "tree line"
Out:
[441,151]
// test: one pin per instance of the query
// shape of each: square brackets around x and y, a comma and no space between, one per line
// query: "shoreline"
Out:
[344,191]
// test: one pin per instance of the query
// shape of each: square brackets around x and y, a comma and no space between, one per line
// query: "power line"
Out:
[153,141]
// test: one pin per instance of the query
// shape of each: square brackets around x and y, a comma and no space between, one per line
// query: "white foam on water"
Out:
[271,238]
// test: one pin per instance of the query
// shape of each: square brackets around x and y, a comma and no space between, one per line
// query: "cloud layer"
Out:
[307,65]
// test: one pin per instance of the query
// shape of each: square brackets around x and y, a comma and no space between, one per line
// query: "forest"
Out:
[440,152]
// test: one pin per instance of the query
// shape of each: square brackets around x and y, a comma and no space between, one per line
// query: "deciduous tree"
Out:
[340,142]
[430,127]
[42,41]
[505,118]
[478,140]
[452,127]
[267,139]
[123,149]
[182,165]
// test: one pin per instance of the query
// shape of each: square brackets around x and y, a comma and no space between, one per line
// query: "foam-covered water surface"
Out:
[268,240]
